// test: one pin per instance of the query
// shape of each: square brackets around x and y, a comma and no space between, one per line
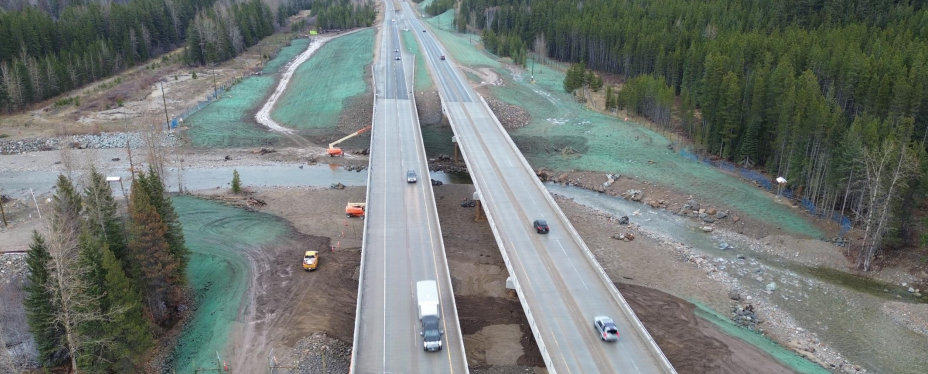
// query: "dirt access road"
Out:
[283,303]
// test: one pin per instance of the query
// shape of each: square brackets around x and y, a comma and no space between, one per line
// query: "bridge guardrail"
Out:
[652,345]
[545,355]
[357,313]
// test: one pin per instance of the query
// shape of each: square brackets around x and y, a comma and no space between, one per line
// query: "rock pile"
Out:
[633,195]
[319,353]
[511,116]
[449,168]
[95,141]
[708,215]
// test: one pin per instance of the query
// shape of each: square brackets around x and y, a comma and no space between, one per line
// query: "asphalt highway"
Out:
[403,242]
[562,288]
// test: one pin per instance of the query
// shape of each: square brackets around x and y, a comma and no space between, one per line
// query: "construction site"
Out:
[755,290]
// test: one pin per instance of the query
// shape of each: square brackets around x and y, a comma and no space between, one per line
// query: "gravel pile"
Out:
[12,265]
[511,116]
[96,141]
[309,352]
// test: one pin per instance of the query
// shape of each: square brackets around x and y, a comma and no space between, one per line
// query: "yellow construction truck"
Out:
[310,260]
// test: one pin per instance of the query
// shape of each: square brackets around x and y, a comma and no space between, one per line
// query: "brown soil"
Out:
[692,344]
[284,303]
[478,276]
[428,106]
[138,90]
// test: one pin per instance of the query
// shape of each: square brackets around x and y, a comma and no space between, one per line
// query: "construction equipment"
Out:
[310,260]
[355,209]
[335,151]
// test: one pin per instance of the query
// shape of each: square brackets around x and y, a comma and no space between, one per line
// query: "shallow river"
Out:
[843,310]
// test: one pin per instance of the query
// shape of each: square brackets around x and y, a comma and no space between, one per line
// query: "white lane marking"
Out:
[566,257]
[529,195]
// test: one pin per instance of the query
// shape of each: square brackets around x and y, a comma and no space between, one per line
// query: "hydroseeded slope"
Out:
[607,144]
[321,87]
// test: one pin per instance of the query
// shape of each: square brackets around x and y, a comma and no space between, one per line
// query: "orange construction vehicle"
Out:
[355,209]
[335,151]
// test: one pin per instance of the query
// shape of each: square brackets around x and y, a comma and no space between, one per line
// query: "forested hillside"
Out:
[344,14]
[830,94]
[53,49]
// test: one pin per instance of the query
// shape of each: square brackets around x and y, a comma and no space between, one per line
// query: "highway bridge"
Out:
[402,239]
[560,284]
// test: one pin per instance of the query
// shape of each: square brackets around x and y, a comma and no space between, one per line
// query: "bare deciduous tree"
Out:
[69,278]
[541,47]
[886,170]
[157,157]
[13,84]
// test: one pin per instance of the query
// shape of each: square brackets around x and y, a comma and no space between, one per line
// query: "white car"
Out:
[606,327]
[411,176]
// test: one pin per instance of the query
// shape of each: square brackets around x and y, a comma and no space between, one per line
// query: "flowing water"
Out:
[843,310]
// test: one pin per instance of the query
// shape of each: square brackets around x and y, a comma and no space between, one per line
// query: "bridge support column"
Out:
[454,140]
[511,287]
[479,207]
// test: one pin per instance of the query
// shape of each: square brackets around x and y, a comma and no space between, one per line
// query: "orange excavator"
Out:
[335,151]
[355,209]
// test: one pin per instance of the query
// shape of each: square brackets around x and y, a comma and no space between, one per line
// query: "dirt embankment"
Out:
[428,106]
[694,345]
[495,330]
[285,304]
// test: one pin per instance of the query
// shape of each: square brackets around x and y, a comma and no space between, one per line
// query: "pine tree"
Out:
[129,333]
[102,216]
[236,182]
[91,249]
[150,250]
[175,234]
[730,115]
[41,309]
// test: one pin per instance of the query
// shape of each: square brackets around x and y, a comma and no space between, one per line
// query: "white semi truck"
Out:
[429,315]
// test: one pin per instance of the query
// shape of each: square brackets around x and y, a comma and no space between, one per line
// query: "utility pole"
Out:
[165,102]
[214,82]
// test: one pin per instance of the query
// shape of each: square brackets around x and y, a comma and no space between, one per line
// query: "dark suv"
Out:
[431,334]
[541,226]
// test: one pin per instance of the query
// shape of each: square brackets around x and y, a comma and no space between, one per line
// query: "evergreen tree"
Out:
[41,309]
[102,215]
[129,333]
[91,248]
[177,246]
[156,268]
[236,182]
[730,112]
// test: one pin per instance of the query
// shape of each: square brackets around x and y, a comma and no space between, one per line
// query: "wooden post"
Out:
[2,213]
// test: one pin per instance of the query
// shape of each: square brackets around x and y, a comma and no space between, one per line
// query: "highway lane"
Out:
[402,243]
[561,287]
